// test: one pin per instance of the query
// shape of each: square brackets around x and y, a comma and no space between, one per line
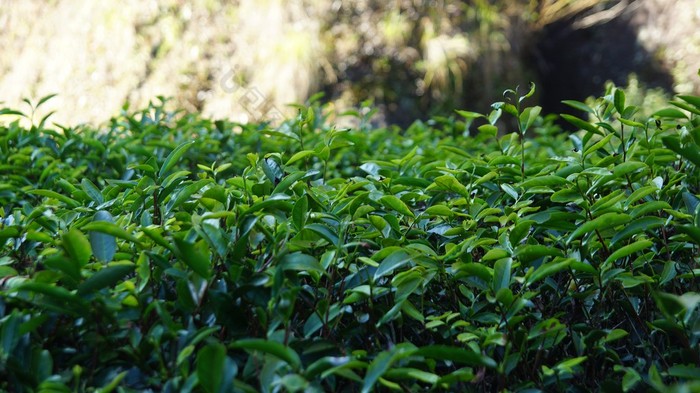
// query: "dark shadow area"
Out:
[574,62]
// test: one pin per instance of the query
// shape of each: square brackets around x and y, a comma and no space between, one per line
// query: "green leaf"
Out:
[692,100]
[301,262]
[274,202]
[582,124]
[637,226]
[394,261]
[273,348]
[619,100]
[578,105]
[528,94]
[8,111]
[691,154]
[211,361]
[289,180]
[323,364]
[474,270]
[396,204]
[449,183]
[299,212]
[154,233]
[44,99]
[520,231]
[9,233]
[439,210]
[173,158]
[628,250]
[528,117]
[488,130]
[383,361]
[692,231]
[605,221]
[325,232]
[54,195]
[111,229]
[412,374]
[376,369]
[300,156]
[687,372]
[598,145]
[55,298]
[639,194]
[68,266]
[631,123]
[547,269]
[501,273]
[671,113]
[531,252]
[92,191]
[196,257]
[106,277]
[545,181]
[113,384]
[456,354]
[469,115]
[669,304]
[103,245]
[184,194]
[77,246]
[615,335]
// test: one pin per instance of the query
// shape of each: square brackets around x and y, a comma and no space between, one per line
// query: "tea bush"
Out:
[167,252]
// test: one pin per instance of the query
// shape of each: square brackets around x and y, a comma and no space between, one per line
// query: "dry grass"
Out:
[250,58]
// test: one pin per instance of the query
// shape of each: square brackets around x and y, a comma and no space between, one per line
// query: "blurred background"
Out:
[247,60]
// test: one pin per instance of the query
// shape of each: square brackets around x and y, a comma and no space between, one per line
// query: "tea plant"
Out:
[167,252]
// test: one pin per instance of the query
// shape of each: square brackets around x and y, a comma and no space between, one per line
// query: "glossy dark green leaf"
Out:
[53,292]
[690,153]
[637,226]
[578,105]
[301,262]
[392,262]
[273,348]
[299,212]
[196,257]
[184,194]
[582,124]
[54,195]
[274,202]
[456,354]
[671,113]
[530,252]
[628,250]
[325,232]
[692,100]
[605,221]
[451,184]
[69,266]
[528,117]
[382,362]
[92,191]
[106,277]
[547,269]
[211,361]
[501,273]
[77,246]
[173,158]
[300,156]
[396,204]
[111,229]
[619,100]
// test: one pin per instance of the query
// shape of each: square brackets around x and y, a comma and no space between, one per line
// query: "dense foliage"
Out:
[167,252]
